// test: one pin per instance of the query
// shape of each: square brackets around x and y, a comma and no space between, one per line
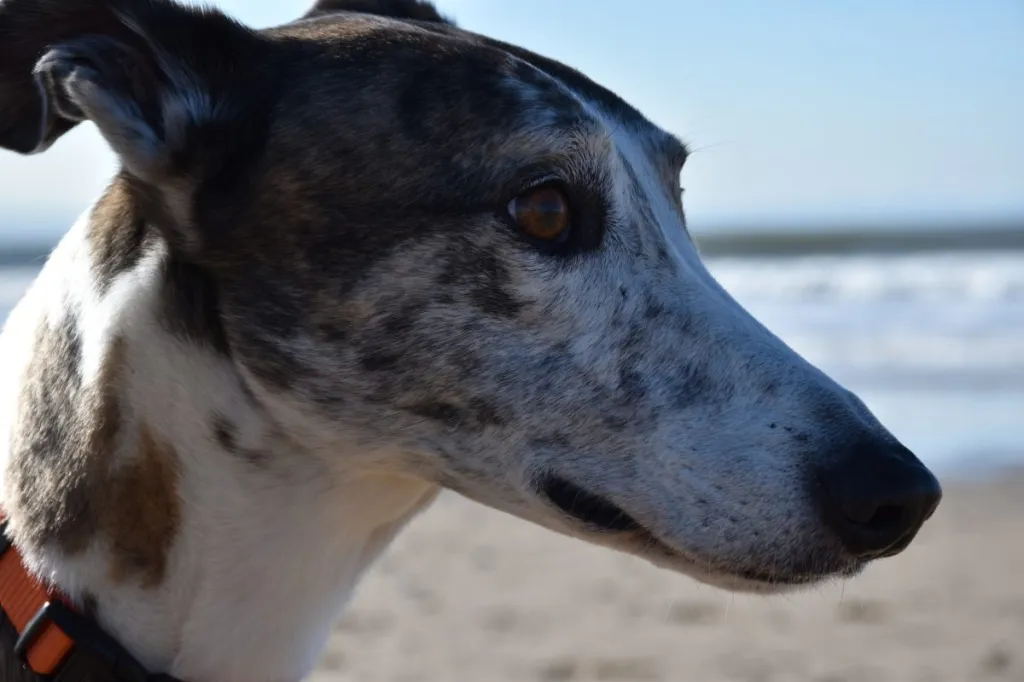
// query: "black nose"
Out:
[876,499]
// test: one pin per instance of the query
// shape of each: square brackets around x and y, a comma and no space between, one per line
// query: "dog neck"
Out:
[151,480]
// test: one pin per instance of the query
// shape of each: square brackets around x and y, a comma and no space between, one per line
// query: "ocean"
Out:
[932,341]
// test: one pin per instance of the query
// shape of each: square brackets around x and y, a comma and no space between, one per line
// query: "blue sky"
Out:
[798,111]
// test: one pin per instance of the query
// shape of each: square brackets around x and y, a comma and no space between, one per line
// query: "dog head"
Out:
[472,262]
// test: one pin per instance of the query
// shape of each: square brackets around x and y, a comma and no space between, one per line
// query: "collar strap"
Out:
[52,636]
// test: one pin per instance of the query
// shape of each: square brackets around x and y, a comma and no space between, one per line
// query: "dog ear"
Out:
[419,10]
[162,82]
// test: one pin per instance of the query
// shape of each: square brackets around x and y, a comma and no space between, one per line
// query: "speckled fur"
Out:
[301,309]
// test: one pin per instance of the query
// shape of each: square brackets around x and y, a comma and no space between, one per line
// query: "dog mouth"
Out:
[593,511]
[602,518]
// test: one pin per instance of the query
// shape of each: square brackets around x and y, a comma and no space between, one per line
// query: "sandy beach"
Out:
[471,595]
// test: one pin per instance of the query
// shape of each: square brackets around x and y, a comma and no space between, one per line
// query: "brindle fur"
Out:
[59,474]
[326,202]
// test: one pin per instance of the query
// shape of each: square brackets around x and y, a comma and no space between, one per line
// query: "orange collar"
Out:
[53,638]
[25,601]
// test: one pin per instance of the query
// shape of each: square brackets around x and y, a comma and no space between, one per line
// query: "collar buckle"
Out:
[84,634]
[55,635]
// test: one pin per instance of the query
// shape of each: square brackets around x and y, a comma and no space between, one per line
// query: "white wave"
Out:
[938,316]
[946,277]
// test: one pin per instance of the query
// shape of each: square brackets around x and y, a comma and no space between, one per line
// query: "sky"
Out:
[797,111]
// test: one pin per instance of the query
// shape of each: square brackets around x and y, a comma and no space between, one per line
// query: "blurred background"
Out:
[858,184]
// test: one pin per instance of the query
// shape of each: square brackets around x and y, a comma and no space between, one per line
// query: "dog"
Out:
[349,262]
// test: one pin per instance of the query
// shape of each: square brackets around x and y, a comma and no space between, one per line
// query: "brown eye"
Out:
[542,213]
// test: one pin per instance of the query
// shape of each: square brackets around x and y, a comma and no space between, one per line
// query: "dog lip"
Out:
[646,542]
[600,516]
[775,577]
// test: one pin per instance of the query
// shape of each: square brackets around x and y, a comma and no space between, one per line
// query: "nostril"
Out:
[887,520]
[856,508]
[869,527]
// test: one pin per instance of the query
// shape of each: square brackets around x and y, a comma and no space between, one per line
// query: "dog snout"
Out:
[876,498]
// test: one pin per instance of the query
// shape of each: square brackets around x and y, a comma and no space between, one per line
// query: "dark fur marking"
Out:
[488,281]
[403,321]
[634,339]
[191,305]
[275,367]
[117,234]
[443,412]
[380,361]
[142,516]
[615,422]
[654,309]
[63,434]
[485,413]
[632,385]
[466,365]
[558,442]
[493,296]
[262,315]
[224,433]
[692,384]
[477,415]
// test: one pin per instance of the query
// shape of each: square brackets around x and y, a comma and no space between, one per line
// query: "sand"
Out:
[471,595]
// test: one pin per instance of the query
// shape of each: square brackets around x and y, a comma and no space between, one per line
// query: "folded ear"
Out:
[134,67]
[419,10]
[163,83]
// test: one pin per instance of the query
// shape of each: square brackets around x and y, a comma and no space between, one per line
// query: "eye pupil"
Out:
[542,213]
